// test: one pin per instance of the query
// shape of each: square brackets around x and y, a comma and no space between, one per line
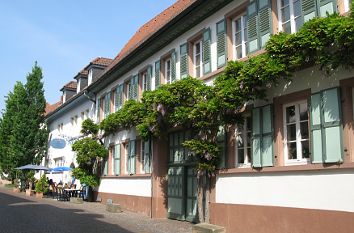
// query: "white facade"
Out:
[137,186]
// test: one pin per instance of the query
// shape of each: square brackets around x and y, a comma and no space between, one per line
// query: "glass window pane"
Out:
[249,156]
[240,156]
[304,129]
[299,21]
[297,8]
[287,27]
[305,149]
[239,52]
[292,150]
[238,38]
[284,3]
[249,139]
[291,132]
[285,14]
[240,141]
[238,25]
[303,112]
[290,114]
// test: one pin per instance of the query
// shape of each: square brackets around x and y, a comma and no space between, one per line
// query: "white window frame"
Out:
[244,132]
[243,36]
[299,159]
[292,17]
[144,80]
[168,75]
[90,74]
[200,65]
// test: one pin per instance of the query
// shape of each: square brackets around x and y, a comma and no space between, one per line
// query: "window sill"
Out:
[125,176]
[307,167]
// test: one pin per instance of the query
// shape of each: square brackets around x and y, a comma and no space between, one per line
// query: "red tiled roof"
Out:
[70,85]
[51,107]
[102,61]
[149,28]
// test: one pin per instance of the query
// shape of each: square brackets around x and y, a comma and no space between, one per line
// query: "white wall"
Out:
[139,186]
[326,190]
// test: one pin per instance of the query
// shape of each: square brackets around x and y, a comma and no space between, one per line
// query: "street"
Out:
[20,214]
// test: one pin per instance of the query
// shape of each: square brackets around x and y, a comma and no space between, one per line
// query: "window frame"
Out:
[115,159]
[299,156]
[143,157]
[292,18]
[200,42]
[244,37]
[168,70]
[245,148]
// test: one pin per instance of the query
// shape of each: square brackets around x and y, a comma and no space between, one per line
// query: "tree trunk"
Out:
[200,198]
[207,200]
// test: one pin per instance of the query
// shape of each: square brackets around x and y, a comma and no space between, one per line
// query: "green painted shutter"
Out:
[148,81]
[256,138]
[332,129]
[157,74]
[206,51]
[175,193]
[262,136]
[98,106]
[131,88]
[267,136]
[252,26]
[147,156]
[308,9]
[326,127]
[327,6]
[173,66]
[107,99]
[222,139]
[221,43]
[117,159]
[265,21]
[117,98]
[135,87]
[132,154]
[183,64]
[316,131]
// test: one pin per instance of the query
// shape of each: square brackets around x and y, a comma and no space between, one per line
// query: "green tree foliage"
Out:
[89,151]
[42,185]
[23,135]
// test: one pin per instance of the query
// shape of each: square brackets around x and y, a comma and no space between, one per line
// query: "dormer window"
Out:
[90,74]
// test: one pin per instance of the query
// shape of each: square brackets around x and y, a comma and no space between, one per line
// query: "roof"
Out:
[151,27]
[52,107]
[98,61]
[72,85]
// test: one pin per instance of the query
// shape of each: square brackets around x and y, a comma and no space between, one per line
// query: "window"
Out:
[296,132]
[116,160]
[291,17]
[168,71]
[146,156]
[118,101]
[243,143]
[107,104]
[131,153]
[198,63]
[132,88]
[240,37]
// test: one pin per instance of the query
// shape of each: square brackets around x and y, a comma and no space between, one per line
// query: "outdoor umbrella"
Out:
[33,167]
[60,169]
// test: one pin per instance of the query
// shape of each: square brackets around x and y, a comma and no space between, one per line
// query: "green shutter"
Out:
[326,127]
[173,66]
[98,105]
[262,136]
[134,87]
[252,26]
[107,99]
[308,9]
[132,154]
[117,98]
[157,74]
[222,139]
[147,156]
[265,22]
[183,64]
[221,43]
[327,6]
[332,129]
[148,78]
[256,137]
[267,136]
[117,159]
[316,131]
[131,89]
[206,51]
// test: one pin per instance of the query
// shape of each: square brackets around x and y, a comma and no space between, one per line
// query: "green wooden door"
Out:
[182,180]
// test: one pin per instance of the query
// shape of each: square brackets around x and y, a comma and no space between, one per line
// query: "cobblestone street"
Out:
[19,213]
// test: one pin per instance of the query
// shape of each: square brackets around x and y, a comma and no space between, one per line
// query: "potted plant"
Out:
[30,180]
[41,186]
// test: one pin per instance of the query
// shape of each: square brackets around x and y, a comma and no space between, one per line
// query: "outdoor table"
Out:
[72,192]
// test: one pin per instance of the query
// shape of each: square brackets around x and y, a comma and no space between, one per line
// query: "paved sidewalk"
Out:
[132,222]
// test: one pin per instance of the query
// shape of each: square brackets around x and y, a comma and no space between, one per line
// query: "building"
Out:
[300,180]
[65,117]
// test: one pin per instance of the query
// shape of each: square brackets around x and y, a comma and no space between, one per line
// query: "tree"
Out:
[23,133]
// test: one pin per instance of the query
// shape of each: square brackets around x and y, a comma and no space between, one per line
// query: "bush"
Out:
[42,185]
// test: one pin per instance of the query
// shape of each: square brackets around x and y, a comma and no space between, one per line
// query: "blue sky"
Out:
[64,36]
